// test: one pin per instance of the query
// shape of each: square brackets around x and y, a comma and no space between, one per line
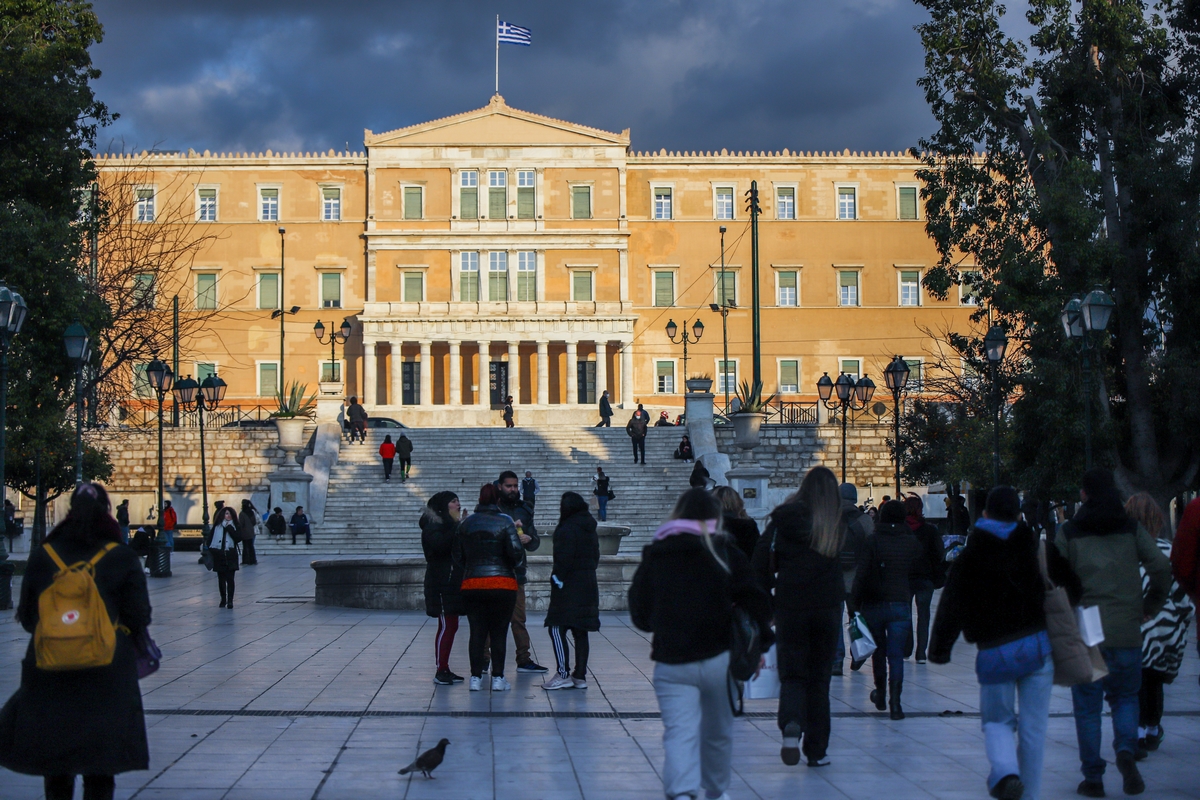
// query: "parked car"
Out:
[250,423]
[384,422]
[718,419]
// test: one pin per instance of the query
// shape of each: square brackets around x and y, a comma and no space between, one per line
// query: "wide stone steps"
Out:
[364,515]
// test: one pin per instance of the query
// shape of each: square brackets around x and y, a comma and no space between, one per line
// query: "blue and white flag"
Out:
[513,34]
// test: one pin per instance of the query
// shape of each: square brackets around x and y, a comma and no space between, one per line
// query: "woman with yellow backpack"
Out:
[78,710]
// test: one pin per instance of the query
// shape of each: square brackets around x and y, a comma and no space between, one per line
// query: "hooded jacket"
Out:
[487,547]
[576,604]
[442,579]
[891,558]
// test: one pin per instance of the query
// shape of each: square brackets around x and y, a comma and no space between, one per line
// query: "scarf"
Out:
[1001,530]
[695,527]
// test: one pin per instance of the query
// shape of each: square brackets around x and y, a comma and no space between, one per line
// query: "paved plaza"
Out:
[281,699]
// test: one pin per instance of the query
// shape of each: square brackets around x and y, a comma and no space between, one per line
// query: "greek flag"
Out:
[513,34]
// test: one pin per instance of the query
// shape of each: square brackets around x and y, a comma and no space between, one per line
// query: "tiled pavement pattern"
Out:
[282,700]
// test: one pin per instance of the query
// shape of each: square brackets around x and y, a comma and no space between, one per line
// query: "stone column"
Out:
[455,374]
[543,376]
[397,374]
[572,373]
[601,369]
[426,373]
[370,395]
[627,375]
[485,398]
[514,370]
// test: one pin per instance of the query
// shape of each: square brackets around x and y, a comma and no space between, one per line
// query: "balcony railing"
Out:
[145,416]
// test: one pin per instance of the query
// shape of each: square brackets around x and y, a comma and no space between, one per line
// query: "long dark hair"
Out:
[819,491]
[227,511]
[89,521]
[571,503]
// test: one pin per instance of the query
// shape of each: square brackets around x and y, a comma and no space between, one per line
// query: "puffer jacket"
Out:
[858,527]
[1164,636]
[487,546]
[442,580]
[576,604]
[891,559]
[803,578]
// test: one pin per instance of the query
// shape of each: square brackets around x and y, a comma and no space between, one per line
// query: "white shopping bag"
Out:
[1090,626]
[766,683]
[862,644]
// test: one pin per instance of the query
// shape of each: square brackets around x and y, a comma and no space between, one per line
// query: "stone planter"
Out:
[610,537]
[746,427]
[698,384]
[291,432]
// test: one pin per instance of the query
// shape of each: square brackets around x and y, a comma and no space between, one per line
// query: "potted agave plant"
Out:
[752,411]
[293,413]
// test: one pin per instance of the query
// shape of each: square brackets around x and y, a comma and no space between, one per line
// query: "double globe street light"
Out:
[205,396]
[1084,321]
[340,336]
[851,396]
[697,332]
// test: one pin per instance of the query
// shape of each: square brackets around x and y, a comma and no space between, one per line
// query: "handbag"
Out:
[612,495]
[745,645]
[1074,662]
[206,558]
[149,655]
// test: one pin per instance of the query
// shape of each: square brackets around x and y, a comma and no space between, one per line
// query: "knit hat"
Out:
[849,492]
[440,504]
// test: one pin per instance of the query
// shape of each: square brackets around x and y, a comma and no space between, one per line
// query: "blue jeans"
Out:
[602,499]
[890,625]
[1120,687]
[997,708]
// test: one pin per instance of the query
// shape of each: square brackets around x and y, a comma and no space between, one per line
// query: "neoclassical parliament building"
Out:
[502,252]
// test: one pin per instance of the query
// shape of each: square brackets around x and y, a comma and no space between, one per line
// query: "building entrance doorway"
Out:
[410,376]
[498,381]
[587,382]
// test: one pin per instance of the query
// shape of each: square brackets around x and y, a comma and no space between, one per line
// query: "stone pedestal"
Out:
[289,488]
[750,481]
[329,400]
[698,413]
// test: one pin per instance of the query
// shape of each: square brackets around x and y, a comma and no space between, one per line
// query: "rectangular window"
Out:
[910,288]
[666,377]
[726,288]
[723,204]
[331,290]
[525,193]
[205,369]
[726,377]
[268,204]
[914,375]
[144,208]
[664,289]
[412,203]
[143,290]
[581,286]
[526,276]
[268,290]
[581,202]
[498,277]
[331,204]
[908,202]
[846,205]
[497,194]
[662,202]
[785,202]
[208,205]
[966,287]
[468,194]
[268,379]
[788,289]
[141,381]
[331,372]
[468,281]
[414,287]
[851,367]
[206,291]
[848,287]
[789,376]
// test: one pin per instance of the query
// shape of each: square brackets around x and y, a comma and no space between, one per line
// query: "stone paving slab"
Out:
[280,699]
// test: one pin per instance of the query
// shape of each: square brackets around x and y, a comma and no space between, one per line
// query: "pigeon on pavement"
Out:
[428,761]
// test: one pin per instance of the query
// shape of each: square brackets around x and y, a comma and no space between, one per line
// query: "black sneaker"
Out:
[1091,788]
[445,678]
[1129,771]
[1153,740]
[455,678]
[531,666]
[790,751]
[1008,788]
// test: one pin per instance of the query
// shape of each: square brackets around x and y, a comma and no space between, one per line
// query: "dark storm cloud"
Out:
[694,75]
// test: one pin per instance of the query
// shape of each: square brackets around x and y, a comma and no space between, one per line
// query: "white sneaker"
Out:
[558,682]
[579,683]
[476,684]
[500,685]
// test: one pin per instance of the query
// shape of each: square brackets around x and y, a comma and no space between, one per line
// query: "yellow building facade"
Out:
[502,252]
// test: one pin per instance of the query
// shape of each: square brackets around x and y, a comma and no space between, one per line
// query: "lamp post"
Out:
[282,232]
[895,376]
[79,350]
[697,332]
[335,338]
[723,309]
[1081,318]
[851,396]
[994,345]
[201,396]
[12,316]
[161,380]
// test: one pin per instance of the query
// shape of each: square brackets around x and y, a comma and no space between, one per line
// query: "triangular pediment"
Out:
[497,124]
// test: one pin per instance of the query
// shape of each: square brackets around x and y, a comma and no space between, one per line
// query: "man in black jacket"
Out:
[358,421]
[636,428]
[522,515]
[605,411]
[858,527]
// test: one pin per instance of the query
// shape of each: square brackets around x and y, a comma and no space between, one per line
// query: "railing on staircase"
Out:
[144,416]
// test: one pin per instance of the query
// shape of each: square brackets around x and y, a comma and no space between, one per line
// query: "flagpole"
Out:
[497,54]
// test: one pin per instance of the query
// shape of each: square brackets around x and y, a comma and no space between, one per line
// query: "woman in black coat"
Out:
[798,557]
[736,523]
[934,577]
[574,593]
[87,722]
[443,599]
[223,546]
[248,527]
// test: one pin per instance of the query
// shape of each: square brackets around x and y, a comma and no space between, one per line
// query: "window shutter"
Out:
[665,369]
[268,290]
[496,202]
[469,204]
[789,373]
[910,277]
[204,370]
[412,202]
[206,291]
[582,287]
[412,287]
[664,289]
[581,202]
[726,287]
[268,379]
[331,290]
[848,278]
[914,373]
[908,202]
[525,202]
[787,280]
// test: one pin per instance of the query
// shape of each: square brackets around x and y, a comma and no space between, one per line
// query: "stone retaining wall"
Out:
[789,451]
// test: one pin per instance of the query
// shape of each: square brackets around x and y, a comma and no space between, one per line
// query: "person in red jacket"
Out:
[170,520]
[387,451]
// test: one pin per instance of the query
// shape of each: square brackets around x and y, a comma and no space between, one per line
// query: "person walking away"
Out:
[882,591]
[858,526]
[529,489]
[358,421]
[491,560]
[1105,546]
[223,544]
[387,452]
[276,524]
[170,523]
[995,598]
[605,411]
[574,592]
[699,477]
[300,527]
[87,722]
[683,593]
[508,412]
[247,528]
[600,490]
[636,428]
[521,514]
[684,452]
[1164,636]
[122,518]
[404,449]
[805,536]
[1185,553]
[736,523]
[934,578]
[443,598]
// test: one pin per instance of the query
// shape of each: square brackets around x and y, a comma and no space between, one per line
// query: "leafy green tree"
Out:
[1062,162]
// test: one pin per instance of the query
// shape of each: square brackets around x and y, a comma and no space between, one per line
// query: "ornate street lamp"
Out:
[337,337]
[1085,321]
[994,345]
[201,396]
[895,377]
[161,379]
[12,317]
[851,396]
[79,351]
[697,332]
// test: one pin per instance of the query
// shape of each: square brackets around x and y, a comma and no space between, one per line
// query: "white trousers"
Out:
[697,726]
